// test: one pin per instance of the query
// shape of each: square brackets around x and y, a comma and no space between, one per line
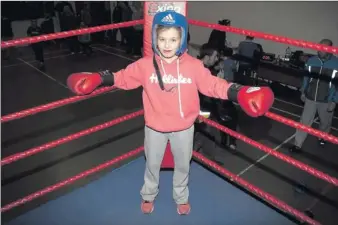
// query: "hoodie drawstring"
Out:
[178,85]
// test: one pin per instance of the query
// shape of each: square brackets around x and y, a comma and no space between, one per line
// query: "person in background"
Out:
[117,18]
[47,27]
[85,15]
[107,19]
[35,30]
[69,21]
[137,34]
[250,53]
[6,35]
[222,111]
[227,66]
[127,32]
[84,41]
[226,113]
[217,38]
[47,24]
[319,93]
[59,8]
[209,56]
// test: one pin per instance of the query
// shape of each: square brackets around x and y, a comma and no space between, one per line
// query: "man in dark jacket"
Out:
[69,20]
[127,32]
[250,53]
[218,38]
[59,10]
[35,30]
[320,94]
[6,35]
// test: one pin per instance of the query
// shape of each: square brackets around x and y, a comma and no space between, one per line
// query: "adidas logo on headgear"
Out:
[168,19]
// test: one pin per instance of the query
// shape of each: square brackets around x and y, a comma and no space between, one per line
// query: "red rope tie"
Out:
[55,143]
[287,159]
[264,195]
[52,105]
[307,129]
[70,180]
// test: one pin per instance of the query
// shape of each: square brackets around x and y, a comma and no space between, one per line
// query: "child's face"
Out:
[168,42]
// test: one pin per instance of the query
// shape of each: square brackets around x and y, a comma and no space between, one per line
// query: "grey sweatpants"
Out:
[181,143]
[308,115]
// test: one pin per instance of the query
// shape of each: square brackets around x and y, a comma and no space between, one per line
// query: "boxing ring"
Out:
[218,196]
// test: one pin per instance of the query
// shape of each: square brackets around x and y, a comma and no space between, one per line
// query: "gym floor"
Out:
[25,86]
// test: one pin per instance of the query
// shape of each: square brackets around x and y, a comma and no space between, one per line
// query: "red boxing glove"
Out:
[255,101]
[85,83]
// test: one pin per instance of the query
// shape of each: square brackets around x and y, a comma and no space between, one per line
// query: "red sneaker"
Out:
[147,207]
[183,209]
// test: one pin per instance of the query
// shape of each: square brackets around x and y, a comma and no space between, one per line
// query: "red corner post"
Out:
[168,159]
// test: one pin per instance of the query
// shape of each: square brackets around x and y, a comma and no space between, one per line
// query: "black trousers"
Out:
[227,116]
[73,44]
[134,40]
[38,52]
[86,48]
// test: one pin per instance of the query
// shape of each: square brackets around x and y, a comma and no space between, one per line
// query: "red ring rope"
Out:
[264,195]
[293,162]
[53,36]
[266,149]
[70,180]
[266,36]
[52,105]
[275,38]
[63,140]
[299,126]
[66,101]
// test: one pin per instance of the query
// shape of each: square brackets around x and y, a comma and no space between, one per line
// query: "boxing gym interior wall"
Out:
[20,27]
[311,21]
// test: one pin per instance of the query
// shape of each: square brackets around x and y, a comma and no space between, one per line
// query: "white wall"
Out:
[309,21]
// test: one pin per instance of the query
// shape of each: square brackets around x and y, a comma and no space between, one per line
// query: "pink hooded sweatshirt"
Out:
[177,109]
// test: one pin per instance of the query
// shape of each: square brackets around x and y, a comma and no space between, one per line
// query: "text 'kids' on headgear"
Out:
[170,18]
